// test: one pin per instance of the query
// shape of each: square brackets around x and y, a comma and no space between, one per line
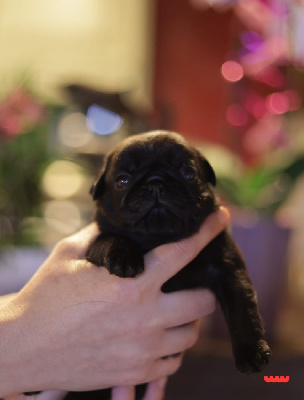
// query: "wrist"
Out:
[8,336]
[15,368]
[5,299]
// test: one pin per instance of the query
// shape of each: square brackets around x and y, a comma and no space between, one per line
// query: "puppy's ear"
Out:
[207,169]
[99,186]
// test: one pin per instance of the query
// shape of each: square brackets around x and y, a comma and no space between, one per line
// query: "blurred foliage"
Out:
[263,188]
[25,151]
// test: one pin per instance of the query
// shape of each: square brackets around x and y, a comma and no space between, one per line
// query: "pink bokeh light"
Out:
[232,71]
[277,103]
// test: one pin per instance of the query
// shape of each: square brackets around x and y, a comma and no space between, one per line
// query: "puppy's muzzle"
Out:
[155,186]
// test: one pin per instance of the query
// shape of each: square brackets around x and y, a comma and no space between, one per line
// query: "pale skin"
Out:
[76,327]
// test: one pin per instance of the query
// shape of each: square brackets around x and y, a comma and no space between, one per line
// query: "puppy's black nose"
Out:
[155,185]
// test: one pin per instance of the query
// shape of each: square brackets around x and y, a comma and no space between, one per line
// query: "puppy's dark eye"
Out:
[122,181]
[188,172]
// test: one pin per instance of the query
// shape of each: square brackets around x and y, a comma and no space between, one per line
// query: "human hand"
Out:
[211,227]
[76,327]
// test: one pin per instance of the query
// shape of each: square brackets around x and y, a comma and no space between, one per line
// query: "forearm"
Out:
[14,365]
[8,336]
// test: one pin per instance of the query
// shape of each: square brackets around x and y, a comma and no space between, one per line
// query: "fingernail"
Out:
[223,215]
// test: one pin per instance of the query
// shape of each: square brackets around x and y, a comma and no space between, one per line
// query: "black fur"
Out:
[153,189]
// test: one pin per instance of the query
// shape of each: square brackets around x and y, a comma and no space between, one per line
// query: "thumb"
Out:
[166,260]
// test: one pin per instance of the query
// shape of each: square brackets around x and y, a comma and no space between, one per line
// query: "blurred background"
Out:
[78,76]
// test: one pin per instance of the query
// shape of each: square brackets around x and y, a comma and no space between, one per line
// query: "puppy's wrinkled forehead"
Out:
[153,147]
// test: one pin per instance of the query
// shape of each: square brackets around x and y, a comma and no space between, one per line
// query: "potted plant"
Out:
[24,154]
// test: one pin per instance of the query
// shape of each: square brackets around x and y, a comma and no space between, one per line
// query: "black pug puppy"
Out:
[155,188]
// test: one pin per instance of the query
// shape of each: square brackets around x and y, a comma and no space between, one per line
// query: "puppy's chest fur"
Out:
[203,271]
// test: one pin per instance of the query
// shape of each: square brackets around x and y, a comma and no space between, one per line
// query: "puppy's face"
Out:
[154,184]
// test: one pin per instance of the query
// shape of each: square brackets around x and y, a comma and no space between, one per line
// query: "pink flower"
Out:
[19,112]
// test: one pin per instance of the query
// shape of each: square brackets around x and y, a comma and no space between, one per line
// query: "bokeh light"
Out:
[232,71]
[277,103]
[251,40]
[73,131]
[63,216]
[102,121]
[62,179]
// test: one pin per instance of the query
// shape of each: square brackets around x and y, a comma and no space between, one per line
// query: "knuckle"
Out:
[174,365]
[140,357]
[132,358]
[204,304]
[195,310]
[126,291]
[191,338]
[142,329]
[145,373]
[131,377]
[139,375]
[153,324]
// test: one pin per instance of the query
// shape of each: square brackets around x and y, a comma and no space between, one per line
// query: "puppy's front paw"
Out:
[124,264]
[252,358]
[119,255]
[95,253]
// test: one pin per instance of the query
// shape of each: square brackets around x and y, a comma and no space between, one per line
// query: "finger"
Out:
[156,389]
[46,395]
[166,260]
[49,395]
[123,393]
[182,307]
[177,340]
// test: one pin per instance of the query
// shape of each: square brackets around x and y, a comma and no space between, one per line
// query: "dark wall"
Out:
[189,91]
